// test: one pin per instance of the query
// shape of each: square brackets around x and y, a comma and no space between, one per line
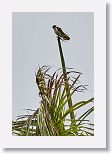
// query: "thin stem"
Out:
[65,79]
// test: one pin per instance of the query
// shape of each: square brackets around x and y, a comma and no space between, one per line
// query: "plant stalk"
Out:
[65,79]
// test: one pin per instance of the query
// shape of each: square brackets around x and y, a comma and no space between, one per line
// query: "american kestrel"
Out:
[58,31]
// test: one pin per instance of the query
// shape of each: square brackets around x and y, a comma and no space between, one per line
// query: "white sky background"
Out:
[34,44]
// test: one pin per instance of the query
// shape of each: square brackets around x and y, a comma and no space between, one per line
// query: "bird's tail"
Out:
[65,37]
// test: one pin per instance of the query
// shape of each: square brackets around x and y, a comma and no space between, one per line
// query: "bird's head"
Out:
[54,26]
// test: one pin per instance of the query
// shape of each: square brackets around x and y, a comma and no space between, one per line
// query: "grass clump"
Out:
[57,114]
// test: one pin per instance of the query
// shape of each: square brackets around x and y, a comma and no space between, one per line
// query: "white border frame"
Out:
[99,9]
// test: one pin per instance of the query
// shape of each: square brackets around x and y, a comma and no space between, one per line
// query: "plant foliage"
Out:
[52,118]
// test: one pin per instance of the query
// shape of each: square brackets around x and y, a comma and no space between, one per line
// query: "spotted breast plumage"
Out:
[58,31]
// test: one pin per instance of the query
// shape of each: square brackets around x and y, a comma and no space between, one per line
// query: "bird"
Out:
[58,31]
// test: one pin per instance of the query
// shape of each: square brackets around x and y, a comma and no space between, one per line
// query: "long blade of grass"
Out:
[75,107]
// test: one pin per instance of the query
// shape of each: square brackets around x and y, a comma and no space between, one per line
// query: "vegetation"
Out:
[57,114]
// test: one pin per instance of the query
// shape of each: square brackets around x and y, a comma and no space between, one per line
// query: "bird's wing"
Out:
[60,30]
[62,34]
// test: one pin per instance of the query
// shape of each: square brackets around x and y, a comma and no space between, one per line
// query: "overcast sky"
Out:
[34,44]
